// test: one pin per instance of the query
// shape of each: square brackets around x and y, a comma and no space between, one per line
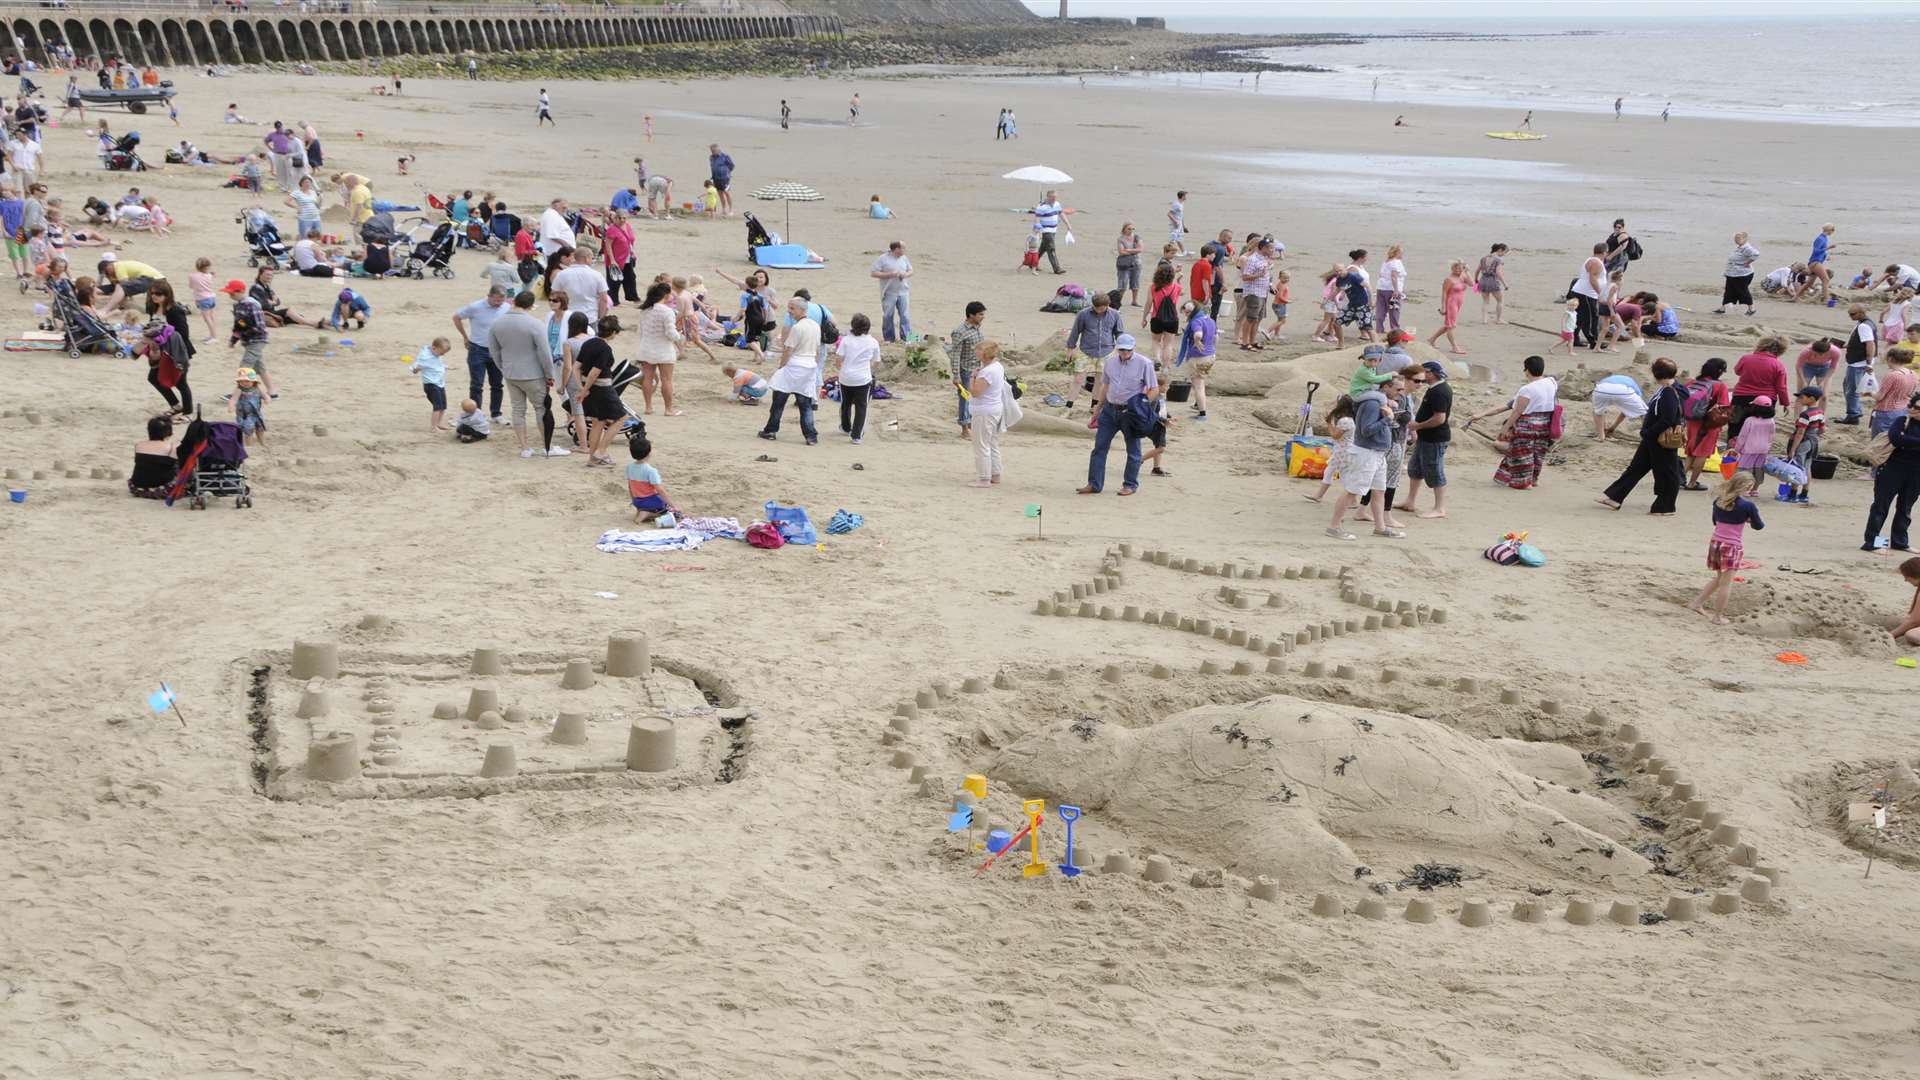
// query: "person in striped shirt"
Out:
[1046,218]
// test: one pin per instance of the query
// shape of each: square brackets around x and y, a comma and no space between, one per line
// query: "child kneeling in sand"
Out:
[472,424]
[748,388]
[644,485]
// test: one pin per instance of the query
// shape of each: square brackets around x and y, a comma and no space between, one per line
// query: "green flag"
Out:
[1033,510]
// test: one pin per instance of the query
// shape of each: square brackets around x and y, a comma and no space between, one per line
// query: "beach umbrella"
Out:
[1039,174]
[788,192]
[546,421]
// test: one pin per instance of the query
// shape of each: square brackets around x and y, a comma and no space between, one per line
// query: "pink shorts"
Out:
[1722,555]
[1566,335]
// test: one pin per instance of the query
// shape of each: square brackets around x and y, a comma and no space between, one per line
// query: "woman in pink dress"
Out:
[1453,293]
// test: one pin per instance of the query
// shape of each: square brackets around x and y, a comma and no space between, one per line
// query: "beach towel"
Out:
[617,541]
[843,522]
[787,257]
[714,528]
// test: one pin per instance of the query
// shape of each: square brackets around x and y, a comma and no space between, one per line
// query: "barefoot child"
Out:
[1569,322]
[709,199]
[1282,296]
[1157,454]
[643,483]
[427,364]
[472,424]
[748,388]
[1732,513]
[200,282]
[1805,444]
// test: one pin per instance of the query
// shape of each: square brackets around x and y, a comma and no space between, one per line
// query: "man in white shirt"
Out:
[24,156]
[555,233]
[799,361]
[585,287]
[893,269]
[1177,221]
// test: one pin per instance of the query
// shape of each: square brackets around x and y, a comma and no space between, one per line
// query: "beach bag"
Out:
[762,535]
[829,333]
[1879,449]
[1010,411]
[793,523]
[1700,398]
[1557,426]
[1633,249]
[1506,552]
[1673,438]
[1308,462]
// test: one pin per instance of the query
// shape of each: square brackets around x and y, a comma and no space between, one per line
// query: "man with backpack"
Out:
[1622,248]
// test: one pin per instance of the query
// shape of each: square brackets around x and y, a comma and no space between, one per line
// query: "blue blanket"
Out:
[784,257]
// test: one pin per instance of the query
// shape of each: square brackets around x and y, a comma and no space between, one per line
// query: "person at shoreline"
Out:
[786,115]
[545,112]
[1527,431]
[1491,276]
[1739,287]
[1662,432]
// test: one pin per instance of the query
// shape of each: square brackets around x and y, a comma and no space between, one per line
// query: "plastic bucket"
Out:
[18,495]
[1179,391]
[1824,465]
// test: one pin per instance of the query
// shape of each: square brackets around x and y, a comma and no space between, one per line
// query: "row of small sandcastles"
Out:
[335,757]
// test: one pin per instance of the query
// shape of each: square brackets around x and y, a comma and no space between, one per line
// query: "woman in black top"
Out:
[596,396]
[1665,413]
[1897,484]
[161,304]
[153,464]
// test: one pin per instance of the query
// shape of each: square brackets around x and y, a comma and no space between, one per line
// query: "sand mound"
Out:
[1310,793]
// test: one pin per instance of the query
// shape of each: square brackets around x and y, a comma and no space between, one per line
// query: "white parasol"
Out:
[1039,174]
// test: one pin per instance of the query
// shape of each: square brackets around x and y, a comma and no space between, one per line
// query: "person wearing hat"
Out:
[249,411]
[1126,375]
[249,330]
[1431,438]
[1372,372]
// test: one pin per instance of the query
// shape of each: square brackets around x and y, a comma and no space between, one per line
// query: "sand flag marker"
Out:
[1068,814]
[1040,527]
[163,699]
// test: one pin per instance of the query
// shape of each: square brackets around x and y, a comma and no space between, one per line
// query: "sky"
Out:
[1429,10]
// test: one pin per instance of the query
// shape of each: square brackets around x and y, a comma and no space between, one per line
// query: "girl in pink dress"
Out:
[1453,293]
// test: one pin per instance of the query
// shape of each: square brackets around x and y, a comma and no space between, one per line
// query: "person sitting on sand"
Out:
[154,467]
[877,210]
[1907,630]
[748,387]
[277,313]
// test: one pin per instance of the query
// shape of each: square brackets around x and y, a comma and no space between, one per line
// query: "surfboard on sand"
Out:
[1518,136]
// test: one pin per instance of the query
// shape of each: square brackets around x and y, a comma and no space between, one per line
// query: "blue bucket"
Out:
[998,839]
[18,495]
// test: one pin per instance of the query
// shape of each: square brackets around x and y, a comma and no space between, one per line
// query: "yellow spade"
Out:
[1036,809]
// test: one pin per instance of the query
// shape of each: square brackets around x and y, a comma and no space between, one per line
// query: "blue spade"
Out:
[1068,814]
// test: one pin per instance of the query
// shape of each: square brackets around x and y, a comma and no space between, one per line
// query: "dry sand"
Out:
[811,918]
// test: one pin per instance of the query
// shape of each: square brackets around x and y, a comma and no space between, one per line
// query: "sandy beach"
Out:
[802,910]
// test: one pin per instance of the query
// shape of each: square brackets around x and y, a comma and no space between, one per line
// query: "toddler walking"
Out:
[1732,513]
[1569,322]
[1030,262]
[427,364]
[205,299]
[1340,426]
[249,406]
[1805,444]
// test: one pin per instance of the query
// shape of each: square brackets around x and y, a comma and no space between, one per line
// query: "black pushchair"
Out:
[85,332]
[125,155]
[435,253]
[624,374]
[378,229]
[264,246]
[757,235]
[211,453]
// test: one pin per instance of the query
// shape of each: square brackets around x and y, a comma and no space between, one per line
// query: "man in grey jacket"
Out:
[1366,465]
[518,343]
[1093,333]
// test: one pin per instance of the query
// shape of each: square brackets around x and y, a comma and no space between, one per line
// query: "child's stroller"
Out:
[379,229]
[264,246]
[624,373]
[83,329]
[435,253]
[757,235]
[125,155]
[211,452]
